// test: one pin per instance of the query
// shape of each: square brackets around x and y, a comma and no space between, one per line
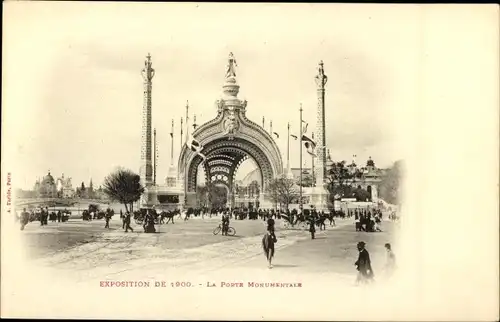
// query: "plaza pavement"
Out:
[86,251]
[69,262]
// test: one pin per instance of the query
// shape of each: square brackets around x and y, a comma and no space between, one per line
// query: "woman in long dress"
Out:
[268,242]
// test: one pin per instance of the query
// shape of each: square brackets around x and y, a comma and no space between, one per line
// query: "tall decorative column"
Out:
[320,191]
[146,170]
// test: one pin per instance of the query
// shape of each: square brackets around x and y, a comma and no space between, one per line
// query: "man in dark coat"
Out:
[107,217]
[312,226]
[268,242]
[127,222]
[363,265]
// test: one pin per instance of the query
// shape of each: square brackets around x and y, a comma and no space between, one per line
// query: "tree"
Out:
[361,194]
[82,192]
[390,186]
[217,196]
[123,186]
[202,195]
[307,180]
[283,191]
[340,181]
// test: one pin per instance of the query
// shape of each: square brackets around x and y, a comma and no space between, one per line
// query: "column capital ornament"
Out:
[321,78]
[148,72]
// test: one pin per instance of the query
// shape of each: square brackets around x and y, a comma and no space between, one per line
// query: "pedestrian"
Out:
[376,225]
[363,265]
[268,242]
[225,223]
[312,227]
[42,218]
[127,222]
[146,220]
[390,264]
[24,218]
[270,227]
[107,218]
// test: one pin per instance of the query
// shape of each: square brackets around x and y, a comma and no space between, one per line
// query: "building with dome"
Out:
[65,187]
[49,187]
[46,188]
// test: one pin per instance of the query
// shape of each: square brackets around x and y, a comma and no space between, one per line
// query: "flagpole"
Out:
[263,122]
[312,164]
[187,121]
[185,156]
[271,127]
[172,145]
[288,150]
[300,186]
[154,157]
[182,132]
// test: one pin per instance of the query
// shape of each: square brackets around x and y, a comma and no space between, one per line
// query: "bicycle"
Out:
[230,230]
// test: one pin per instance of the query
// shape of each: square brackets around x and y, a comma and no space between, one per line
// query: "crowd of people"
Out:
[43,215]
[369,221]
[365,221]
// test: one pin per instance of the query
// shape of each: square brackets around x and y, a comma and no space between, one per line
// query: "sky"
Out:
[73,87]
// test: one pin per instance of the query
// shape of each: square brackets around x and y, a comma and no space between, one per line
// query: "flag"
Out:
[196,147]
[277,135]
[309,144]
[304,129]
[171,134]
[294,136]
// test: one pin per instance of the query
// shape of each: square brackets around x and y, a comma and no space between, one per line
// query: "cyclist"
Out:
[225,223]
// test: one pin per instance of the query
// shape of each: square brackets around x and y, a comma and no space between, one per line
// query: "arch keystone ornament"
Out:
[226,141]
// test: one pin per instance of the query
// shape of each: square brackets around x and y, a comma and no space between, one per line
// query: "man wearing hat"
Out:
[363,265]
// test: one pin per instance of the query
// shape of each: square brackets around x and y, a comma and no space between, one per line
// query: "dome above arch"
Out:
[229,139]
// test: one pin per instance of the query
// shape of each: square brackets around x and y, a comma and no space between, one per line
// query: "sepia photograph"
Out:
[249,161]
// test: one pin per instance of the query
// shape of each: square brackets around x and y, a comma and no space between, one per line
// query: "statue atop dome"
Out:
[231,71]
[370,163]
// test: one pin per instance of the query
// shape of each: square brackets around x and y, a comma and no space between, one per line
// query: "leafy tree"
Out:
[340,180]
[390,186]
[202,195]
[361,194]
[217,196]
[123,186]
[283,191]
[307,180]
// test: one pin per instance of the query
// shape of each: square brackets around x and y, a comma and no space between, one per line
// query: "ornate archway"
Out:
[226,141]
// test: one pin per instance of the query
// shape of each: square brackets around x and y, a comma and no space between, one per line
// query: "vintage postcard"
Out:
[249,161]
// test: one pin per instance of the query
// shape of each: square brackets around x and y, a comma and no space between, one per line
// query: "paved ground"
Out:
[89,251]
[72,261]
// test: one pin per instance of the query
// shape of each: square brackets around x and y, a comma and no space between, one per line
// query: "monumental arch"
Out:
[225,142]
